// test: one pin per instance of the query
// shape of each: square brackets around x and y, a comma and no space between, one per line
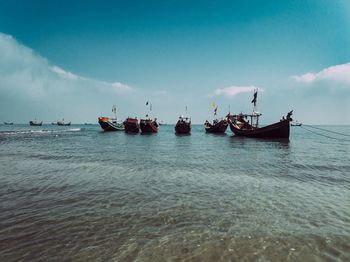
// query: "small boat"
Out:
[111,124]
[8,123]
[108,124]
[240,125]
[218,126]
[149,126]
[296,123]
[35,123]
[62,123]
[54,123]
[183,125]
[131,125]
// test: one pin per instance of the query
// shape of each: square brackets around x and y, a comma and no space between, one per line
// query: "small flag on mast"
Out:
[255,96]
[215,110]
[147,103]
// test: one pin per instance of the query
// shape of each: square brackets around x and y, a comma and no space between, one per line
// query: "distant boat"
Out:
[110,124]
[8,123]
[218,126]
[149,126]
[62,123]
[240,126]
[131,125]
[183,125]
[35,123]
[296,123]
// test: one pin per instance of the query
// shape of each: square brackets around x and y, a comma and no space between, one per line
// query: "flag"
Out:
[255,96]
[215,110]
[146,103]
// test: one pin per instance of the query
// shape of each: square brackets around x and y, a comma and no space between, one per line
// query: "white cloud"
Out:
[28,80]
[234,90]
[338,74]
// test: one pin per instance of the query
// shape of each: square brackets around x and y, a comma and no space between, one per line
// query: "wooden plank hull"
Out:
[277,130]
[106,125]
[183,127]
[148,126]
[218,128]
[131,125]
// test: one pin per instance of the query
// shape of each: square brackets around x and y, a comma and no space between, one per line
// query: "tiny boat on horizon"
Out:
[296,123]
[240,125]
[63,123]
[183,125]
[8,123]
[35,123]
[131,125]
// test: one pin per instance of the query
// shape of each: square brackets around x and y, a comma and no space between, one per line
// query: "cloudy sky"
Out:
[75,59]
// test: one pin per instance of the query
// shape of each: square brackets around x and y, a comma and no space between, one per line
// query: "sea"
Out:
[76,193]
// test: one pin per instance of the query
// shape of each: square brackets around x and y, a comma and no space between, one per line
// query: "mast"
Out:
[114,110]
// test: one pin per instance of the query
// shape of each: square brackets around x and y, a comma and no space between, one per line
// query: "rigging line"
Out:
[343,140]
[328,130]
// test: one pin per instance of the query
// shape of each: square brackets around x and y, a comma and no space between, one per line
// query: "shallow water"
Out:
[76,193]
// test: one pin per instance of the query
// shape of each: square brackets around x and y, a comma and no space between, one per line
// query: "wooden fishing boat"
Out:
[149,126]
[108,124]
[131,125]
[183,125]
[218,126]
[8,123]
[111,124]
[241,126]
[35,123]
[63,123]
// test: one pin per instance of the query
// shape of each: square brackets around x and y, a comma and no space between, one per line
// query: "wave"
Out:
[41,131]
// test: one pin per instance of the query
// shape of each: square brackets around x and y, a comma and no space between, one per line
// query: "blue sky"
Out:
[75,59]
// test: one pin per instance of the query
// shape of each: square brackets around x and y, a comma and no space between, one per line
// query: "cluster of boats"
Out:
[40,123]
[240,124]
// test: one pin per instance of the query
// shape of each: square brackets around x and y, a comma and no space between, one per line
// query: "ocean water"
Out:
[79,194]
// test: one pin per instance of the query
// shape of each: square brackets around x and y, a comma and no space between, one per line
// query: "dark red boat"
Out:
[131,125]
[148,126]
[240,125]
[183,125]
[218,126]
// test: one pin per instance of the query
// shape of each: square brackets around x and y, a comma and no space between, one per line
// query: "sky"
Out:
[76,59]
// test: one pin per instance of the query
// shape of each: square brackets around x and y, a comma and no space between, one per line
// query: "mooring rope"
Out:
[326,130]
[336,138]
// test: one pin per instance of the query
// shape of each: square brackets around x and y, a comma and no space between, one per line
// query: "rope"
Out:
[338,133]
[339,139]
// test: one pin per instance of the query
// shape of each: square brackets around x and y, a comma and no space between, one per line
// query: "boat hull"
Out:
[33,123]
[106,125]
[148,126]
[182,127]
[63,124]
[131,125]
[277,130]
[218,128]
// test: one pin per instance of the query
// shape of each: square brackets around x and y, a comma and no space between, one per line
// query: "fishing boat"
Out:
[35,123]
[149,126]
[296,123]
[183,125]
[111,124]
[218,126]
[240,124]
[131,125]
[8,123]
[63,123]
